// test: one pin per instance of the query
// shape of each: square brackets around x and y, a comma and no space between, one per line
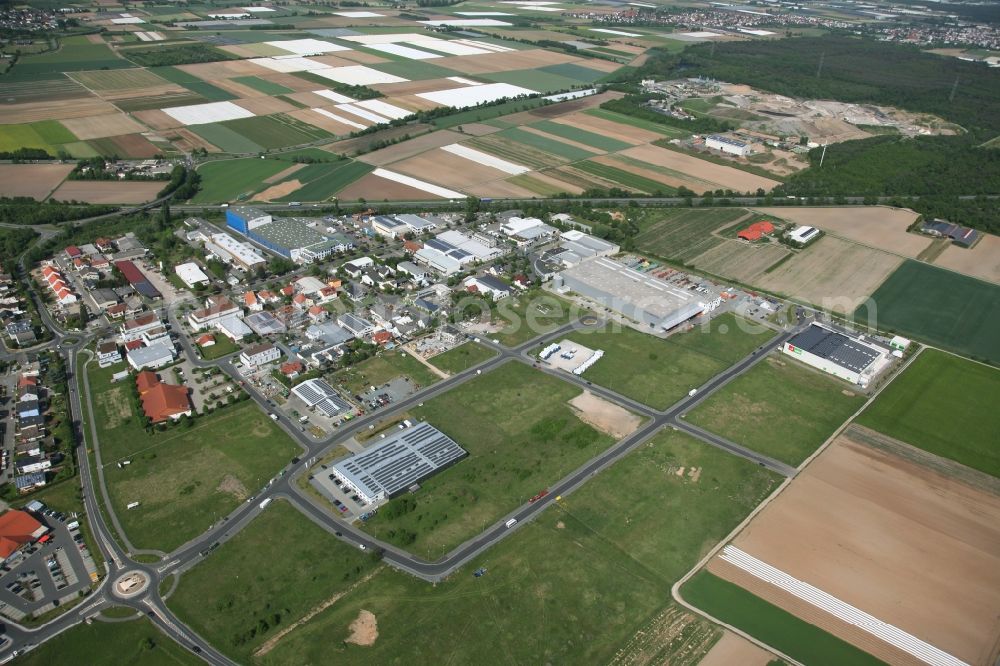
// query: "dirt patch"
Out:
[982,261]
[673,636]
[117,408]
[285,173]
[32,180]
[264,106]
[232,486]
[696,171]
[865,523]
[364,629]
[734,649]
[158,119]
[133,145]
[560,525]
[188,140]
[880,227]
[604,415]
[108,192]
[835,274]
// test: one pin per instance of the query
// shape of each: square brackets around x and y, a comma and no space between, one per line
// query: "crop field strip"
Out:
[277,131]
[682,235]
[262,85]
[193,83]
[123,79]
[666,130]
[26,92]
[626,179]
[516,152]
[333,179]
[572,133]
[227,180]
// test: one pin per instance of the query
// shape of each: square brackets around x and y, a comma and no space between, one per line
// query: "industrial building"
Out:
[289,237]
[402,460]
[803,234]
[640,297]
[231,251]
[191,274]
[319,395]
[137,279]
[577,246]
[849,358]
[729,145]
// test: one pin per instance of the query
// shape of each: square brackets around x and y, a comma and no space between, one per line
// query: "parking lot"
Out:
[345,506]
[45,575]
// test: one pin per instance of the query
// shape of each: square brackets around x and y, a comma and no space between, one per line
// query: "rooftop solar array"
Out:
[317,393]
[837,347]
[401,460]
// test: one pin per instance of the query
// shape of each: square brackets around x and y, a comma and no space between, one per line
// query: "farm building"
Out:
[289,237]
[842,356]
[137,279]
[729,145]
[803,234]
[756,231]
[397,463]
[640,297]
[958,234]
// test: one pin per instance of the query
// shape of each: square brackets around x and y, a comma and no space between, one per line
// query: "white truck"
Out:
[510,523]
[264,504]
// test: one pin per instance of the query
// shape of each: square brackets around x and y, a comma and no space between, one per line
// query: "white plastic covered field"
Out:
[288,64]
[384,108]
[357,75]
[333,96]
[469,23]
[620,33]
[473,95]
[340,119]
[307,46]
[359,14]
[485,159]
[430,188]
[213,112]
[404,51]
[362,113]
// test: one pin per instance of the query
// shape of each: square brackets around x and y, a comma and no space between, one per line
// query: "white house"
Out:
[258,355]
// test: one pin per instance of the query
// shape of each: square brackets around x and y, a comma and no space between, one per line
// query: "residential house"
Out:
[357,326]
[216,308]
[258,355]
[487,284]
[108,353]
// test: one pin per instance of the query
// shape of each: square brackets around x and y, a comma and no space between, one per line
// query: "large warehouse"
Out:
[400,461]
[841,355]
[638,296]
[291,238]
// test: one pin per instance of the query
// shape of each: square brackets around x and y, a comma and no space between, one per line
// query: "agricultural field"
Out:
[943,404]
[109,192]
[658,371]
[862,522]
[601,557]
[186,477]
[940,307]
[741,261]
[682,234]
[520,434]
[981,261]
[231,180]
[48,135]
[318,182]
[528,315]
[73,55]
[32,180]
[135,642]
[832,273]
[462,357]
[379,369]
[252,605]
[778,408]
[624,178]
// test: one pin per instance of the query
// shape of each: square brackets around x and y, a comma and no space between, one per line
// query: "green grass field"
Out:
[520,435]
[613,116]
[531,314]
[682,234]
[515,151]
[325,180]
[49,135]
[377,370]
[778,408]
[135,643]
[232,180]
[414,70]
[187,477]
[576,585]
[581,136]
[798,639]
[462,357]
[535,185]
[943,404]
[952,311]
[578,73]
[552,146]
[74,54]
[276,131]
[660,372]
[193,83]
[226,138]
[626,179]
[537,80]
[123,79]
[222,347]
[262,85]
[252,597]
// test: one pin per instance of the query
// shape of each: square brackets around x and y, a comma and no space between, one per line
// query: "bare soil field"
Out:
[168,92]
[504,62]
[451,171]
[157,119]
[414,87]
[832,273]
[237,89]
[608,128]
[278,191]
[134,145]
[98,127]
[31,180]
[412,102]
[740,261]
[348,58]
[604,415]
[411,148]
[900,540]
[264,106]
[479,129]
[734,649]
[108,192]
[321,121]
[349,146]
[565,108]
[373,188]
[882,227]
[281,175]
[120,79]
[223,69]
[56,110]
[188,141]
[499,188]
[982,261]
[721,176]
[311,100]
